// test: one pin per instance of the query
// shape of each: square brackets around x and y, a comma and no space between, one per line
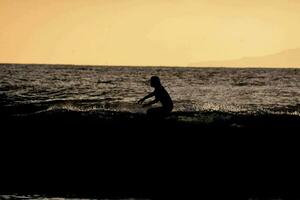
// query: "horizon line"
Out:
[154,66]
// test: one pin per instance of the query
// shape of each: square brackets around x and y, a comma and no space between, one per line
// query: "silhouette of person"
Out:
[162,96]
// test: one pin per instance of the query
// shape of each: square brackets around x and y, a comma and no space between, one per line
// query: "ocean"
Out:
[44,197]
[27,90]
[60,100]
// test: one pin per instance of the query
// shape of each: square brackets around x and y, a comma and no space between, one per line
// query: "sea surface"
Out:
[31,89]
[43,197]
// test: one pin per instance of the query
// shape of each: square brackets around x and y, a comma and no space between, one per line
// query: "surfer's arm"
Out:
[146,97]
[150,103]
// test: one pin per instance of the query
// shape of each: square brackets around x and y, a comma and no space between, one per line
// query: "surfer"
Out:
[162,96]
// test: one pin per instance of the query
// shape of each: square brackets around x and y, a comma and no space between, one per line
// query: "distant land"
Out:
[286,59]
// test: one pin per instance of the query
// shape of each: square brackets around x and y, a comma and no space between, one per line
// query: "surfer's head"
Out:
[154,81]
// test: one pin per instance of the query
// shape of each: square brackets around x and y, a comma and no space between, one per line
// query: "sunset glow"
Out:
[134,32]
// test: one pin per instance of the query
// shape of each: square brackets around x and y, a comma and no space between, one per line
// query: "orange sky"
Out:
[136,32]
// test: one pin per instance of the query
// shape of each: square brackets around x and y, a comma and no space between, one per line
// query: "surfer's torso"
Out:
[163,96]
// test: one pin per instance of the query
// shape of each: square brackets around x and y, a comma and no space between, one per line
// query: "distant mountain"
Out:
[288,58]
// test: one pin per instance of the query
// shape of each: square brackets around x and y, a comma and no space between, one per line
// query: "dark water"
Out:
[31,89]
[199,94]
[40,197]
